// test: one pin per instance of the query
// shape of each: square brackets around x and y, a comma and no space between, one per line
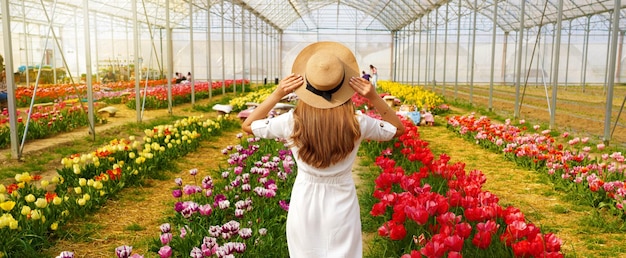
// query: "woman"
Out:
[324,133]
[374,73]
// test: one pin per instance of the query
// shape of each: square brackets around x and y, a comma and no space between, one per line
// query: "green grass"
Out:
[135,227]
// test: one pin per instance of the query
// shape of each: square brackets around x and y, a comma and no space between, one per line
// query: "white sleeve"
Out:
[272,128]
[374,129]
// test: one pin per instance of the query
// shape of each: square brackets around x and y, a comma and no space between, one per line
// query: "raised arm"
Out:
[366,89]
[286,86]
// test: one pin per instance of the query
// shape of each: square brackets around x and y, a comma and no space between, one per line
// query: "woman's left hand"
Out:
[289,84]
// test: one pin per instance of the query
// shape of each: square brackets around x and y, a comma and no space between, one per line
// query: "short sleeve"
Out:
[272,128]
[375,129]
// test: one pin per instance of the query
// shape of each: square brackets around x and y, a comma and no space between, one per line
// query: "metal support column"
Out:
[556,50]
[10,80]
[493,54]
[413,56]
[458,46]
[445,51]
[234,50]
[436,9]
[170,56]
[518,73]
[473,63]
[136,61]
[222,13]
[505,45]
[90,113]
[569,41]
[209,61]
[585,54]
[191,53]
[427,54]
[419,52]
[611,71]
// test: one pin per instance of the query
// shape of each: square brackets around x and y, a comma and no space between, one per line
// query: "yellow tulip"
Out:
[30,198]
[13,224]
[41,203]
[44,183]
[35,214]
[78,190]
[57,200]
[97,185]
[7,206]
[25,210]
[3,189]
[54,226]
[82,181]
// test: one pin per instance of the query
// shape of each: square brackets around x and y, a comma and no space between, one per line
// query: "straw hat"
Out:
[327,68]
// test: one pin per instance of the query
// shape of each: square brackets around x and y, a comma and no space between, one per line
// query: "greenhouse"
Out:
[536,82]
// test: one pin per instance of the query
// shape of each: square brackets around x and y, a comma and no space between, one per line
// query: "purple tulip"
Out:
[193,171]
[123,251]
[165,251]
[165,228]
[205,210]
[177,193]
[66,254]
[284,204]
[178,207]
[245,233]
[166,238]
[196,253]
[178,181]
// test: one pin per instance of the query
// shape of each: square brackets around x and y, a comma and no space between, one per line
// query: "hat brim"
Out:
[350,66]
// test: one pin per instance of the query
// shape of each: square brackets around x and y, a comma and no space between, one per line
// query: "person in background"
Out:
[324,133]
[365,75]
[3,91]
[374,73]
[188,78]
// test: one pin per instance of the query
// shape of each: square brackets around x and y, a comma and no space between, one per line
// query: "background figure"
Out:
[374,73]
[3,91]
[365,76]
[324,215]
[188,76]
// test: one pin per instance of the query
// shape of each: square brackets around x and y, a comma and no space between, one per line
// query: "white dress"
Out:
[324,218]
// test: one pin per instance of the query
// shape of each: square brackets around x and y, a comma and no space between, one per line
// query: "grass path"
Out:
[525,189]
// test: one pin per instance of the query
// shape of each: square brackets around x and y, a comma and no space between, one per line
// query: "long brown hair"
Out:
[325,136]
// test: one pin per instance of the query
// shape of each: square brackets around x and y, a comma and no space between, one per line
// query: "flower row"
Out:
[32,209]
[436,209]
[599,178]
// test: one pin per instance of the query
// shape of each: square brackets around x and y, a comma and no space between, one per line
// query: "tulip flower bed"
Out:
[156,97]
[258,96]
[54,92]
[45,121]
[69,114]
[428,207]
[599,182]
[31,213]
[413,95]
[242,211]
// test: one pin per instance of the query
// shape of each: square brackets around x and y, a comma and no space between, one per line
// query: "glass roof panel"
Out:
[391,14]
